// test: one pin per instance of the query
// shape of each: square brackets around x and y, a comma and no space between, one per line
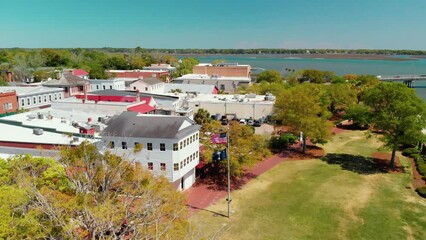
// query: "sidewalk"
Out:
[203,195]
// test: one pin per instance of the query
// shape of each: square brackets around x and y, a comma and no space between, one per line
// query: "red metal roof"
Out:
[79,72]
[141,108]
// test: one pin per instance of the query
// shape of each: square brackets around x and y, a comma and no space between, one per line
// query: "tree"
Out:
[270,76]
[89,195]
[202,116]
[304,109]
[359,114]
[398,113]
[185,66]
[246,148]
[341,96]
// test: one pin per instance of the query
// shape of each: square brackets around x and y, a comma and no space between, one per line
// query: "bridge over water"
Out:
[408,80]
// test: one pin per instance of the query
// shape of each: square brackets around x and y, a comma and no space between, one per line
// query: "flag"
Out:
[219,155]
[218,138]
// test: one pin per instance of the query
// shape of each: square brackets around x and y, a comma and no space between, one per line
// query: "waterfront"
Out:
[339,66]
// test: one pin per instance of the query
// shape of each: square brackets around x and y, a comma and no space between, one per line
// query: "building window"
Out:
[134,88]
[162,166]
[196,153]
[162,147]
[175,147]
[149,146]
[28,101]
[196,136]
[45,99]
[181,164]
[111,144]
[150,166]
[23,102]
[39,99]
[97,87]
[34,100]
[181,145]
[103,87]
[56,97]
[176,166]
[124,145]
[60,96]
[146,88]
[110,87]
[50,97]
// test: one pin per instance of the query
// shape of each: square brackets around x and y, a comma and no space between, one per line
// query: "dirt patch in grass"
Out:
[312,151]
[417,177]
[382,162]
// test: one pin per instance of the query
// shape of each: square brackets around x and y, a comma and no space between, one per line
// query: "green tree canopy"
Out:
[304,109]
[270,76]
[398,113]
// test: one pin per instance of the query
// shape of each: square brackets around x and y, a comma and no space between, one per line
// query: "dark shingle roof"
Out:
[129,124]
[66,80]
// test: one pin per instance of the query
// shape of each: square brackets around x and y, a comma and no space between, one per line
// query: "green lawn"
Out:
[312,199]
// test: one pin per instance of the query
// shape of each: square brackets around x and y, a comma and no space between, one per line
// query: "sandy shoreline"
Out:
[312,56]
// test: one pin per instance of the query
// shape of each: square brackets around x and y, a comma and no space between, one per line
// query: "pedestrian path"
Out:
[201,196]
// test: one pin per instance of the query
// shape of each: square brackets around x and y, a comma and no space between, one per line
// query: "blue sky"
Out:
[342,24]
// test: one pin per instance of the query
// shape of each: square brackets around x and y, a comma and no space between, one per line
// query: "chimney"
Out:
[138,96]
[86,84]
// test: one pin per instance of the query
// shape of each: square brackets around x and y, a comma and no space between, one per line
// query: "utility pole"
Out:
[229,174]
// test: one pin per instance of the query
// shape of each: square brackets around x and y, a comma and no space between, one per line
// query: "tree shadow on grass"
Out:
[355,163]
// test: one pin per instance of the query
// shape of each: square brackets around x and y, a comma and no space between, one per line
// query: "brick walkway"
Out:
[203,195]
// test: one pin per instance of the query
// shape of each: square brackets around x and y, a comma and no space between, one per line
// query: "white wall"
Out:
[241,109]
[96,85]
[157,157]
[38,100]
[143,87]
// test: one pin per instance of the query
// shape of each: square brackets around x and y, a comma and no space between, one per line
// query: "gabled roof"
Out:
[79,72]
[131,124]
[151,81]
[67,80]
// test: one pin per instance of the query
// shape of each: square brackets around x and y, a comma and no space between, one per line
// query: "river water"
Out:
[339,66]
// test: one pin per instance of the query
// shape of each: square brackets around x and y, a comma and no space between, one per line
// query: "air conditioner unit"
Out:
[38,131]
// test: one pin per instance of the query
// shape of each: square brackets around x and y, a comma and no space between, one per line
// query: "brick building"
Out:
[8,102]
[6,75]
[223,69]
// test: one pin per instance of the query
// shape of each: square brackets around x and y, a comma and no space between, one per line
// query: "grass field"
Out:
[312,199]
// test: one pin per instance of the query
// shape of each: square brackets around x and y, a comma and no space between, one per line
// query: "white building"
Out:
[170,144]
[223,83]
[103,84]
[161,67]
[150,85]
[242,106]
[35,96]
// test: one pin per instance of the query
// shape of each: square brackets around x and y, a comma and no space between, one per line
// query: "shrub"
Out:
[410,151]
[283,141]
[421,167]
[421,191]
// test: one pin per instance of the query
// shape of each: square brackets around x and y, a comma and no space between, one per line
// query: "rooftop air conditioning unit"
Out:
[251,95]
[38,131]
[75,139]
[40,116]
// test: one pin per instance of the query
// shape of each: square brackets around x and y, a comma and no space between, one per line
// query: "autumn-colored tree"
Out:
[90,195]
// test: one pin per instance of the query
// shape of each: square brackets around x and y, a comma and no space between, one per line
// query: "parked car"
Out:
[250,122]
[243,121]
[257,123]
[224,121]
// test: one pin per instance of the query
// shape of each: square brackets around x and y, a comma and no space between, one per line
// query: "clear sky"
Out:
[342,24]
